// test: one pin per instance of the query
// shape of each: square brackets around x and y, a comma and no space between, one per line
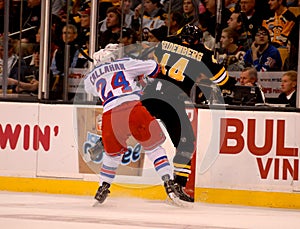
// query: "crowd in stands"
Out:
[262,34]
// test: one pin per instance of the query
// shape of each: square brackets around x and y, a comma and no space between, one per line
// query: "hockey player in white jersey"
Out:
[114,82]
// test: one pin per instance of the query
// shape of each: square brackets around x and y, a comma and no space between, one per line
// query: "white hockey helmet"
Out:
[108,54]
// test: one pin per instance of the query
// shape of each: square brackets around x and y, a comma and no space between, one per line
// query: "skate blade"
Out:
[98,204]
[179,203]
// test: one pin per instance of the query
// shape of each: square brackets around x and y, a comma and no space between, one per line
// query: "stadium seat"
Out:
[283,54]
[295,10]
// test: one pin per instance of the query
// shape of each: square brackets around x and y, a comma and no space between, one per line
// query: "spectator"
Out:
[73,11]
[263,9]
[129,36]
[281,24]
[32,18]
[292,60]
[211,12]
[291,3]
[14,15]
[124,8]
[174,22]
[153,16]
[1,17]
[12,26]
[113,24]
[57,6]
[129,13]
[69,35]
[176,6]
[159,34]
[234,53]
[77,7]
[288,89]
[288,63]
[13,63]
[262,55]
[238,22]
[129,39]
[154,36]
[229,40]
[248,77]
[190,12]
[207,39]
[84,32]
[104,5]
[57,25]
[35,60]
[55,34]
[230,4]
[254,19]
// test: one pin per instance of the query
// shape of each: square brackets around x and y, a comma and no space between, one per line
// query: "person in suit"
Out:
[288,93]
[17,68]
[248,77]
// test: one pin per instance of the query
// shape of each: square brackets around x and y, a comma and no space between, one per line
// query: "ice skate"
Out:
[172,192]
[182,195]
[102,193]
[180,183]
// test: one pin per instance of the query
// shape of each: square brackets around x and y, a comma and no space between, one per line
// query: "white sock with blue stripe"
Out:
[160,161]
[109,168]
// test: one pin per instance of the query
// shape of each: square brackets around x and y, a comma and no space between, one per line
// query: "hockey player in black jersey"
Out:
[183,58]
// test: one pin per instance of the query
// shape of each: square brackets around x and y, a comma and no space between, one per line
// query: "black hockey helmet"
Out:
[190,34]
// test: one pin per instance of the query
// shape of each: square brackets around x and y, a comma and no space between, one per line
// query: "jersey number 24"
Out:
[117,81]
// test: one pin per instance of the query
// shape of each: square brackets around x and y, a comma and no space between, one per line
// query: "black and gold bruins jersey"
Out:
[184,64]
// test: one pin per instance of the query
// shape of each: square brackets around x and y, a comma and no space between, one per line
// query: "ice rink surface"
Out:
[45,211]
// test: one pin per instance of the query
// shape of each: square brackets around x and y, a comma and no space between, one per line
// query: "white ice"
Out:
[45,211]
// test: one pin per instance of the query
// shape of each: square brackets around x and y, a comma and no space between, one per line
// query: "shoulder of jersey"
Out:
[123,59]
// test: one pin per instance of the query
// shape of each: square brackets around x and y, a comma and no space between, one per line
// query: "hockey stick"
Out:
[82,52]
[218,27]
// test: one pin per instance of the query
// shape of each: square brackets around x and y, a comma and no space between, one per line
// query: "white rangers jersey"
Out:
[115,82]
